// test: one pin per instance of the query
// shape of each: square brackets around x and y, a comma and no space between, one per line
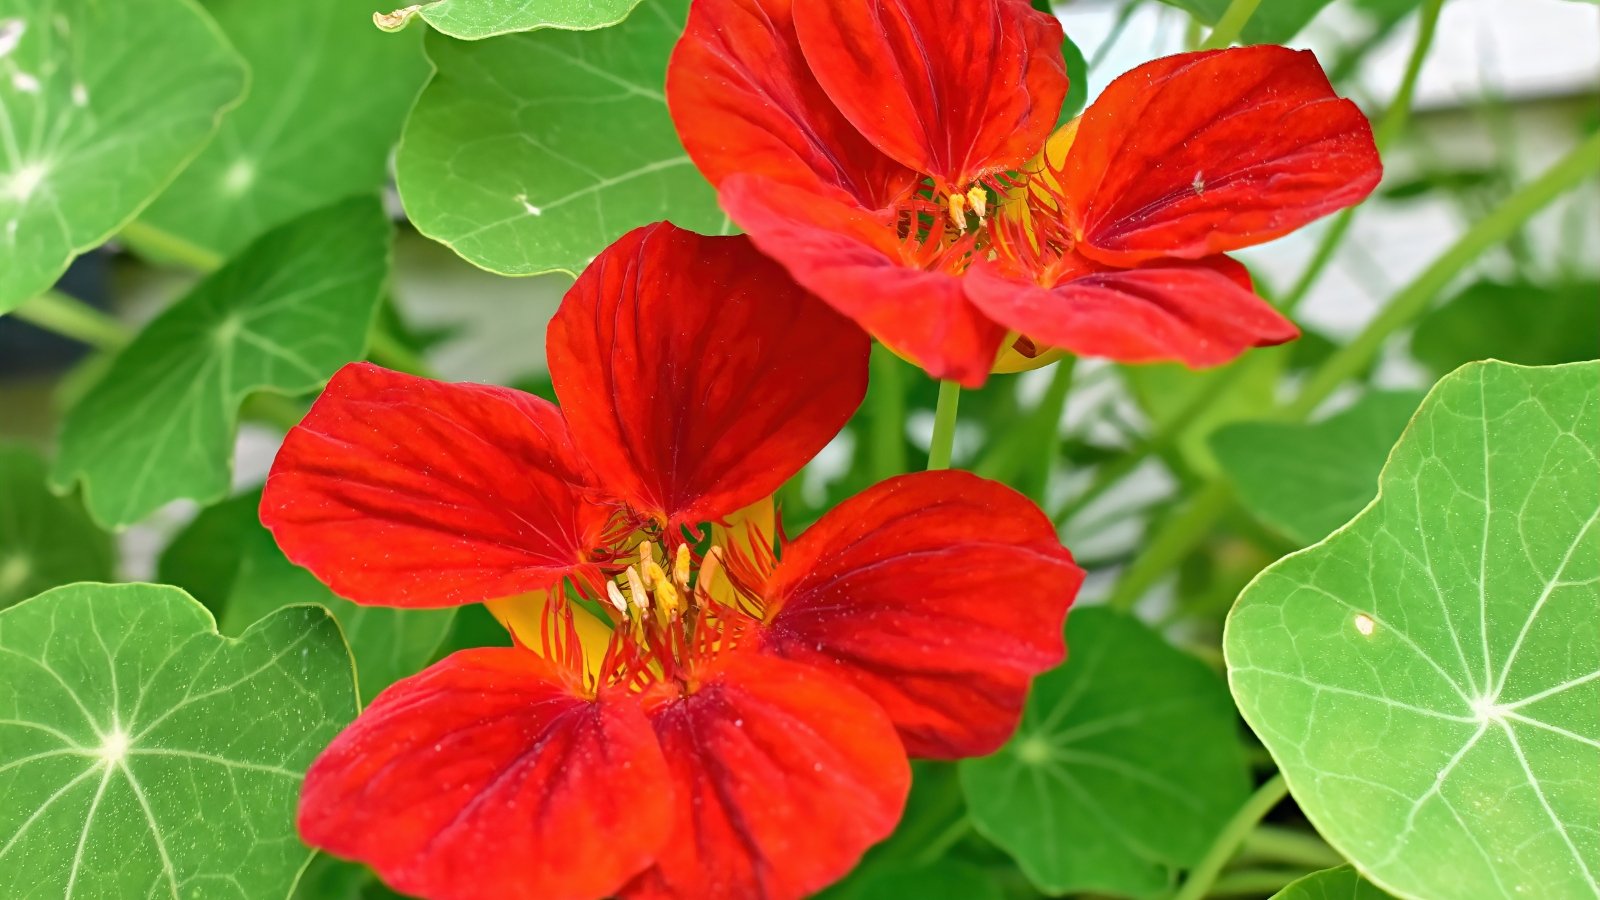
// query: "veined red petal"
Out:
[489,775]
[1207,152]
[784,775]
[401,491]
[940,594]
[955,89]
[1200,312]
[852,259]
[696,376]
[744,100]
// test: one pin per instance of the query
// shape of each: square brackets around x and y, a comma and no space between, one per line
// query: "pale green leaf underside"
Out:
[1428,678]
[144,755]
[530,153]
[45,540]
[327,98]
[282,317]
[1308,479]
[101,104]
[1343,883]
[1126,764]
[474,19]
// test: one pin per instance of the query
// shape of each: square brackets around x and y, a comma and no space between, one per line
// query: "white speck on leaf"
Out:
[24,82]
[1365,625]
[11,31]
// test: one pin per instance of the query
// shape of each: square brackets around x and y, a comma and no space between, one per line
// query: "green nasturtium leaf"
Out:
[282,317]
[388,644]
[142,754]
[1529,324]
[1428,678]
[530,153]
[1308,479]
[229,562]
[93,129]
[1273,22]
[45,540]
[328,94]
[1342,883]
[475,19]
[1127,763]
[942,879]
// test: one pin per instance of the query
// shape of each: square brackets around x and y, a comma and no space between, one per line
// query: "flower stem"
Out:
[1231,24]
[164,245]
[1178,536]
[1232,835]
[1289,846]
[1389,126]
[387,350]
[887,395]
[71,317]
[944,426]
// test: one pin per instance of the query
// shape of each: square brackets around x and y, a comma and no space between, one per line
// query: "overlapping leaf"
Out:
[282,317]
[144,755]
[475,19]
[1125,766]
[531,152]
[1343,883]
[45,540]
[1308,479]
[1530,324]
[100,105]
[1428,678]
[327,98]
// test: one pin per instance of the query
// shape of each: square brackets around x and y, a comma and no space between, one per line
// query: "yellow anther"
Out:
[614,594]
[979,198]
[636,589]
[667,600]
[655,578]
[647,559]
[680,568]
[958,211]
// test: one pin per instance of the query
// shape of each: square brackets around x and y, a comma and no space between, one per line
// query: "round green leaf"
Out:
[1428,678]
[474,19]
[1343,883]
[1308,479]
[531,152]
[45,540]
[942,879]
[328,95]
[282,317]
[100,105]
[144,755]
[1125,766]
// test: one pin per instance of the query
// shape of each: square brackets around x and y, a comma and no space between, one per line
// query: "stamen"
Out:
[614,594]
[680,568]
[979,198]
[958,212]
[637,593]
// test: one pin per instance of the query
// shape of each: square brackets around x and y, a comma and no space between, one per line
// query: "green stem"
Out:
[1227,843]
[1414,299]
[1036,436]
[944,426]
[1388,128]
[1256,882]
[164,245]
[272,409]
[1231,25]
[386,350]
[1289,846]
[1172,544]
[941,844]
[71,317]
[887,395]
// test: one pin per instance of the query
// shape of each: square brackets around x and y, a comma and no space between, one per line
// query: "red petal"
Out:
[940,594]
[784,776]
[1201,313]
[1207,152]
[696,376]
[853,261]
[487,775]
[744,100]
[955,89]
[400,491]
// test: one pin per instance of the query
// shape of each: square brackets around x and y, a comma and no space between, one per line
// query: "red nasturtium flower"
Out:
[738,723]
[897,158]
